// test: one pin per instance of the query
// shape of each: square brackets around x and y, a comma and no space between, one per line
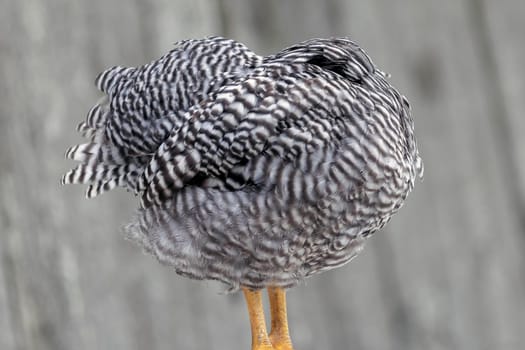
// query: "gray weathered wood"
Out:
[446,273]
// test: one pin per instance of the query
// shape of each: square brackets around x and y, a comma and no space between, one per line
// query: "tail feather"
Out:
[110,78]
[100,172]
[83,152]
[98,115]
[103,164]
[86,131]
[103,177]
[121,178]
[93,152]
[101,187]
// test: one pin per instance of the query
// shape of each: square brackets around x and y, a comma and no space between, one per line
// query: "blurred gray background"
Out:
[448,272]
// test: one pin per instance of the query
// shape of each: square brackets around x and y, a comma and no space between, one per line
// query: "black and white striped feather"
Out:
[142,105]
[252,171]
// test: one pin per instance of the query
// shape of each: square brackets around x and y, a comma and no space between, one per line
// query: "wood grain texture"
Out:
[446,273]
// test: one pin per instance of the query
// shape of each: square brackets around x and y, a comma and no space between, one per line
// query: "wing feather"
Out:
[278,109]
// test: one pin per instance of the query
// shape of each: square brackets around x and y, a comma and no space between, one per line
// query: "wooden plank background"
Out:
[447,273]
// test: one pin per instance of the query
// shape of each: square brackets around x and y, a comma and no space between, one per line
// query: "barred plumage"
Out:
[255,171]
[142,105]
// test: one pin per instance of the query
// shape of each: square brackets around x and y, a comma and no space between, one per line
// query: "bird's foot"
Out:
[280,342]
[264,345]
[273,346]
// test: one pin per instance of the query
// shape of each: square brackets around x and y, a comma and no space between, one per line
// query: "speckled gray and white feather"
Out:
[253,171]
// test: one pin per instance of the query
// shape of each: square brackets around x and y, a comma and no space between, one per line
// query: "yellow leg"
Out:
[260,339]
[279,335]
